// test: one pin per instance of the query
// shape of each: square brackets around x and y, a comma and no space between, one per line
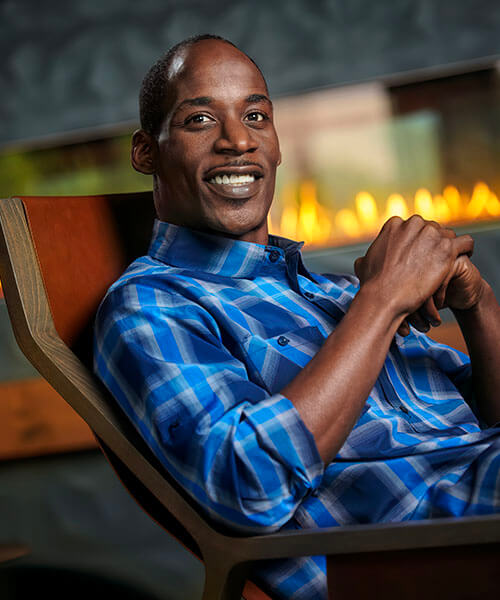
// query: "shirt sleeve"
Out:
[244,455]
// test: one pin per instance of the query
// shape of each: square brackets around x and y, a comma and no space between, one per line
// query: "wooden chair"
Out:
[58,255]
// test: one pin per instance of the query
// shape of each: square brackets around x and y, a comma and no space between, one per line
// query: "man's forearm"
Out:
[331,390]
[480,326]
[405,265]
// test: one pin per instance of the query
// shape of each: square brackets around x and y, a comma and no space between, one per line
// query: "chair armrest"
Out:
[436,533]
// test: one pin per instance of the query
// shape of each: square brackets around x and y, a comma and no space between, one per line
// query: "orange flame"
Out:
[304,217]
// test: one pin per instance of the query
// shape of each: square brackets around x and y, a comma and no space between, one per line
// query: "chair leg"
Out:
[223,581]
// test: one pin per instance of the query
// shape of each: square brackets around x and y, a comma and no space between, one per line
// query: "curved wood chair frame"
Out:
[227,558]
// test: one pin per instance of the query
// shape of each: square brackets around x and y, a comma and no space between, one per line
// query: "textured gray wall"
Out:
[70,65]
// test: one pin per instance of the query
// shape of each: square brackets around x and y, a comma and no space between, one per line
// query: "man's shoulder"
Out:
[147,272]
[147,282]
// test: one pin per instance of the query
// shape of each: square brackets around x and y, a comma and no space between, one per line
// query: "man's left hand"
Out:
[461,290]
[463,287]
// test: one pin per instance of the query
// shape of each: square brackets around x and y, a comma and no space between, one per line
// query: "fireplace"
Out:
[356,155]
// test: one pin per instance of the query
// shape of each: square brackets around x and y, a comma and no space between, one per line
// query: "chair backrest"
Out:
[83,244]
[58,256]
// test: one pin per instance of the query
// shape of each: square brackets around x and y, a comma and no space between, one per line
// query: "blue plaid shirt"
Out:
[195,342]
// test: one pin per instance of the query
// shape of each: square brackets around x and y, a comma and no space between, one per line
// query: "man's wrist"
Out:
[385,306]
[485,297]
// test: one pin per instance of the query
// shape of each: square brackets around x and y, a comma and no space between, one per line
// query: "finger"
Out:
[463,244]
[417,320]
[391,223]
[430,312]
[415,223]
[445,231]
[404,329]
[440,294]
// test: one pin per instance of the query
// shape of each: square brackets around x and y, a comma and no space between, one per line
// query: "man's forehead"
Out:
[176,63]
[212,64]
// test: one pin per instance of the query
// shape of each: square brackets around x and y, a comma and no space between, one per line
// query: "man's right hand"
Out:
[407,263]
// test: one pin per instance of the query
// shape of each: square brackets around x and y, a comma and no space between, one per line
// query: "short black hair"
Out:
[154,88]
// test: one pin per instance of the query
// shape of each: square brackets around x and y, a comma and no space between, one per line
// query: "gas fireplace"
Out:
[356,155]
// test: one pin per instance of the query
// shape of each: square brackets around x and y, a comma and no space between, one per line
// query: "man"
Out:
[278,397]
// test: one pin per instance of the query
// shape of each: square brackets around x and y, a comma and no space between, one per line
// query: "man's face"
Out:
[217,148]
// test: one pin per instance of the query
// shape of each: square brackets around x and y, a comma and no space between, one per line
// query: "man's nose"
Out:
[235,138]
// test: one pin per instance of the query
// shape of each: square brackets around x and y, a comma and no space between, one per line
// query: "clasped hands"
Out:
[418,267]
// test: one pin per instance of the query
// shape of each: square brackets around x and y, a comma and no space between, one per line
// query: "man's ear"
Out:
[144,152]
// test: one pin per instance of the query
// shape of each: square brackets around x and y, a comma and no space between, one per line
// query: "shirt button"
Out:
[274,255]
[173,426]
[282,340]
[404,409]
[309,295]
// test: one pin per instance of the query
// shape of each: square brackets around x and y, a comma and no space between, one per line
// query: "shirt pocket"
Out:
[275,361]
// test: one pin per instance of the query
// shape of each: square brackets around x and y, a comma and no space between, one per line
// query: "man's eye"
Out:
[197,120]
[256,116]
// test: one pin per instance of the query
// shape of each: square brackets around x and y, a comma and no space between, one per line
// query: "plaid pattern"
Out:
[195,342]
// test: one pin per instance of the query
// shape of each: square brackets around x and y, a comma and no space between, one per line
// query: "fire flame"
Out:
[304,218]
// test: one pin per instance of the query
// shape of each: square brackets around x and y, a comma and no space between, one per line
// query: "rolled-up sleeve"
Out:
[244,455]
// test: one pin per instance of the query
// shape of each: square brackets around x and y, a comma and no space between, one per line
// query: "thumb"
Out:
[463,244]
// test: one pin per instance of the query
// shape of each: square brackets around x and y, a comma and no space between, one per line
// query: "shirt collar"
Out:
[219,255]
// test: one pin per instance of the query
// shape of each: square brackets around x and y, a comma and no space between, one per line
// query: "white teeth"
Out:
[232,179]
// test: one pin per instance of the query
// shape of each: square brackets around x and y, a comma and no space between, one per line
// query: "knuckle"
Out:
[446,244]
[393,221]
[415,222]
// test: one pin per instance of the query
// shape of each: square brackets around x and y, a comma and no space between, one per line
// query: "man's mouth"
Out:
[232,179]
[235,181]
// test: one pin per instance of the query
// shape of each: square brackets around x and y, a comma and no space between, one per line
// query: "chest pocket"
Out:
[275,361]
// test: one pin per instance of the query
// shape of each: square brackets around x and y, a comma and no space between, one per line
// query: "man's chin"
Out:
[254,230]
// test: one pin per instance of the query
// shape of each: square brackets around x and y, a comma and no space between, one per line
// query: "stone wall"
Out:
[73,65]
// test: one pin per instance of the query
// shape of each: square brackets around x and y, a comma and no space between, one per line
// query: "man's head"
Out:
[208,139]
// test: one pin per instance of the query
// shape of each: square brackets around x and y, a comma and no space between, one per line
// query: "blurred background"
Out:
[382,108]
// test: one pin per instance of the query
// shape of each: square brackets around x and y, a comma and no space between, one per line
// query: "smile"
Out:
[232,179]
[236,187]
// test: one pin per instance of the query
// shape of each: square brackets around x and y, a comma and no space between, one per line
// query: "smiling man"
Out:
[280,398]
[213,157]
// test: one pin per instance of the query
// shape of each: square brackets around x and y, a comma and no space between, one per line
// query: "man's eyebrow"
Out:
[257,98]
[200,101]
[207,100]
